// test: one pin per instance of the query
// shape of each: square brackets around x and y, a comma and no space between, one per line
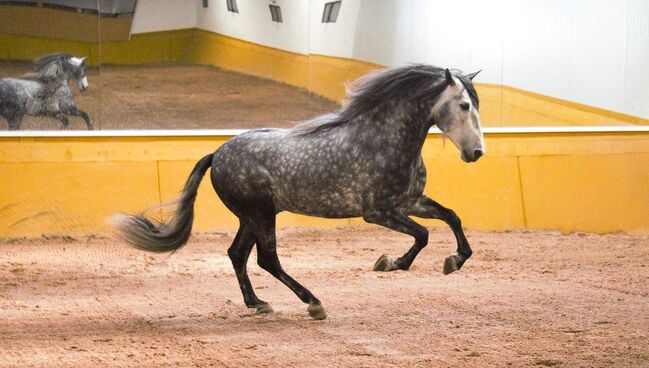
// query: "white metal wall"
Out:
[164,15]
[253,23]
[594,52]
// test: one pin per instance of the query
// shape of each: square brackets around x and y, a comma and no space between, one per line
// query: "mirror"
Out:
[239,64]
[41,92]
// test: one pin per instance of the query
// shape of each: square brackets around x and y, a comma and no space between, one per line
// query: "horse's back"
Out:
[26,85]
[20,90]
[299,174]
[248,151]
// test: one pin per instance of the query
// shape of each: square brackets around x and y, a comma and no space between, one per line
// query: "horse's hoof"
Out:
[451,264]
[384,264]
[264,308]
[316,311]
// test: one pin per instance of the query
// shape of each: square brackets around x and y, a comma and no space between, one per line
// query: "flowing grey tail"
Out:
[154,236]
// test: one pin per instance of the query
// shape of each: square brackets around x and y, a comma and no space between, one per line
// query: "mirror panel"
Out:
[239,64]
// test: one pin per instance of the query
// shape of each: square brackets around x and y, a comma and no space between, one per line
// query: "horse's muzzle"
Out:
[83,84]
[468,156]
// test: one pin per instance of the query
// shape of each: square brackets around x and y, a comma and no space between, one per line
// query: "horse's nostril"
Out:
[477,154]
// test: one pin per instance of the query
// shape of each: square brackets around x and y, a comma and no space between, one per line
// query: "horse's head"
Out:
[77,67]
[456,114]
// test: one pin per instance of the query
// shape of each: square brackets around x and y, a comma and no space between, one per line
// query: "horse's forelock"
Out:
[473,94]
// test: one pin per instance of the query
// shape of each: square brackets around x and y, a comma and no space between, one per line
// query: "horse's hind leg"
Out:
[14,122]
[264,227]
[395,220]
[239,253]
[427,208]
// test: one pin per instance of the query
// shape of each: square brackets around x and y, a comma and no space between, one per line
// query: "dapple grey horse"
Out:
[362,161]
[45,91]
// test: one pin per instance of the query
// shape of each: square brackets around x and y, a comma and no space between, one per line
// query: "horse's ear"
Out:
[472,75]
[449,77]
[83,62]
[75,61]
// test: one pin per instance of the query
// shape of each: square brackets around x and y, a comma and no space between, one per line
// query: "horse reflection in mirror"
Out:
[45,91]
[362,161]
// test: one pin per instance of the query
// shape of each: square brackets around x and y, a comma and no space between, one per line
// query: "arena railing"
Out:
[233,132]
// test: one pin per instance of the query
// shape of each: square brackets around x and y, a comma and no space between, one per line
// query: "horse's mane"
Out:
[47,67]
[415,81]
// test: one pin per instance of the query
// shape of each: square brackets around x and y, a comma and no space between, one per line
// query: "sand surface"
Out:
[179,97]
[525,299]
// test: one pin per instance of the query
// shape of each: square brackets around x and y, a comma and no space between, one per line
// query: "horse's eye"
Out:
[465,106]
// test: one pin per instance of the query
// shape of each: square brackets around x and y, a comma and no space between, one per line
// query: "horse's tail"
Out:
[153,236]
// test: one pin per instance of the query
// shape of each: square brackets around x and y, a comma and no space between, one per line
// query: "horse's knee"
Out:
[421,237]
[453,217]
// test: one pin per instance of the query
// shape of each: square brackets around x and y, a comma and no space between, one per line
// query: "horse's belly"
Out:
[33,108]
[330,204]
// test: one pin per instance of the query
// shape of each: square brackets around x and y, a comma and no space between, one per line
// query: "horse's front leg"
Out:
[76,112]
[397,221]
[62,118]
[427,208]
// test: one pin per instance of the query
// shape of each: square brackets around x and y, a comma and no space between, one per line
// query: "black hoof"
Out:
[451,264]
[384,264]
[264,308]
[316,311]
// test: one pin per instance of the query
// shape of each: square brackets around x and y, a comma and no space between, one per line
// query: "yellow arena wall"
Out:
[594,182]
[568,181]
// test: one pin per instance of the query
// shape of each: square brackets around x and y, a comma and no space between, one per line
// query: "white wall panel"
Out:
[163,15]
[572,50]
[253,23]
[451,34]
[594,52]
[636,86]
[333,39]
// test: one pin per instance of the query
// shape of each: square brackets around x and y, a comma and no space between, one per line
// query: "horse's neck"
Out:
[400,123]
[53,85]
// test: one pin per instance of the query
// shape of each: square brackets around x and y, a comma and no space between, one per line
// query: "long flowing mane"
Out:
[47,67]
[414,82]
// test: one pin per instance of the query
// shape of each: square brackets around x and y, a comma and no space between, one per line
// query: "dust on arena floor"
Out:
[525,299]
[180,97]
